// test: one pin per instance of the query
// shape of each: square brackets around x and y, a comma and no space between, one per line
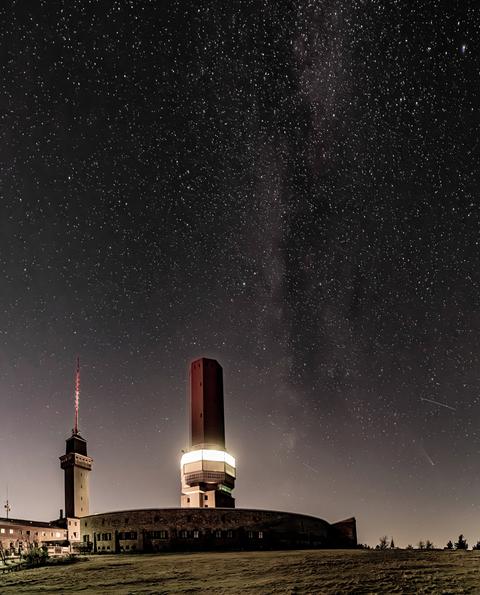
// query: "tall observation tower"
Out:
[208,471]
[77,465]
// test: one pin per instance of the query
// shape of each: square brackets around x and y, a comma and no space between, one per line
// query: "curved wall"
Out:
[177,529]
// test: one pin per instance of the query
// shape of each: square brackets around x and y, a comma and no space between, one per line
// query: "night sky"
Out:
[288,187]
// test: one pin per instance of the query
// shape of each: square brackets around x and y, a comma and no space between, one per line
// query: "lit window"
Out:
[250,534]
[196,534]
[260,535]
[57,534]
[2,530]
[11,531]
[218,533]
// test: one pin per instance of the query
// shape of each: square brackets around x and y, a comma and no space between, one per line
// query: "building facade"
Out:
[18,535]
[204,529]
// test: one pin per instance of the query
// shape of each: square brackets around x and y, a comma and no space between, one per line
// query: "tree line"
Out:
[461,544]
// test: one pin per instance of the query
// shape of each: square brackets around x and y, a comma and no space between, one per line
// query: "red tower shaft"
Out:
[207,416]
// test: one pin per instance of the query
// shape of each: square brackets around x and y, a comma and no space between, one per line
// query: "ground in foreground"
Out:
[310,571]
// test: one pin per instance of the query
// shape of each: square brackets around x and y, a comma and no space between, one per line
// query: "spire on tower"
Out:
[77,395]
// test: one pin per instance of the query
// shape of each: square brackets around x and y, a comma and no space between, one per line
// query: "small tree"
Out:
[421,545]
[383,545]
[461,544]
[36,556]
[476,546]
[449,545]
[409,547]
[392,545]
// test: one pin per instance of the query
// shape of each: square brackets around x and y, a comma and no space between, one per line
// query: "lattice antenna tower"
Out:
[77,395]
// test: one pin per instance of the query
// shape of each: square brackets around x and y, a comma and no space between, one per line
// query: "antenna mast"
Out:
[77,395]
[7,506]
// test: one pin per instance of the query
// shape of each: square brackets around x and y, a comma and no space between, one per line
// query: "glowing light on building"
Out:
[194,456]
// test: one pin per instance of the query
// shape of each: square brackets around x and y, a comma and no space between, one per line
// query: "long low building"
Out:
[202,529]
[17,535]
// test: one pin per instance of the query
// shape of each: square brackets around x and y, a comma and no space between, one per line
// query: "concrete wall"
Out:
[177,529]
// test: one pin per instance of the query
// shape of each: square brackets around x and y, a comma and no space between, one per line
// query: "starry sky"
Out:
[288,187]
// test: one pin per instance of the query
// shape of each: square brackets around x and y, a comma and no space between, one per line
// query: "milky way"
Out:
[289,187]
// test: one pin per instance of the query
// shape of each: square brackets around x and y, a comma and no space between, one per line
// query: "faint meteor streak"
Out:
[309,467]
[438,403]
[428,457]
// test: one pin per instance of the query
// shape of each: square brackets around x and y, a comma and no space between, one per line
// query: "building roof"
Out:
[27,522]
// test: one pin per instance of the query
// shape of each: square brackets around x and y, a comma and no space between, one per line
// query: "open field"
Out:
[311,571]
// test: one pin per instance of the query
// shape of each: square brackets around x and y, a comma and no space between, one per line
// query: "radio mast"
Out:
[77,395]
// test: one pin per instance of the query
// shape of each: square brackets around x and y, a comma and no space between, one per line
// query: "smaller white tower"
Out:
[77,466]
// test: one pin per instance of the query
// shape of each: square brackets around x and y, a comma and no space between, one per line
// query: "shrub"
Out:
[461,544]
[383,545]
[36,556]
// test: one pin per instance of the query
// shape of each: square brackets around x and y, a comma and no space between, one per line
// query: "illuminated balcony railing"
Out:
[206,477]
